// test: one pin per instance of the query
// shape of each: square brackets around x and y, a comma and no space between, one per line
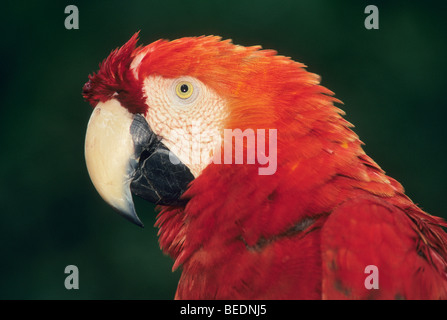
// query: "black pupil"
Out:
[184,88]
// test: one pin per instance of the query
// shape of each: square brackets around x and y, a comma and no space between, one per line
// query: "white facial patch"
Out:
[187,116]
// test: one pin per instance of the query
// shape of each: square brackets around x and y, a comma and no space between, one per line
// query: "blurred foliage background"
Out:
[391,80]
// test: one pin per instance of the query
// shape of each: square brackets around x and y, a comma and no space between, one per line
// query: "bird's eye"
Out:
[184,89]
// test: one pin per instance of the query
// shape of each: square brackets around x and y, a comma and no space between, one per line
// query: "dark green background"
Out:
[392,82]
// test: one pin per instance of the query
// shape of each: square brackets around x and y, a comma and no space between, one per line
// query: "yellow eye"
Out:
[184,89]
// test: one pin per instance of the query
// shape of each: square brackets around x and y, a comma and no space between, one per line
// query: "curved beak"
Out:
[109,155]
[123,155]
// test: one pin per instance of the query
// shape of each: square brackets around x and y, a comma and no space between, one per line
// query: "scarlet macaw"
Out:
[307,230]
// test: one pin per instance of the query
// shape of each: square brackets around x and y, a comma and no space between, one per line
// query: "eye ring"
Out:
[184,89]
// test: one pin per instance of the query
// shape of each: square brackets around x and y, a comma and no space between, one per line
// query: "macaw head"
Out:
[161,111]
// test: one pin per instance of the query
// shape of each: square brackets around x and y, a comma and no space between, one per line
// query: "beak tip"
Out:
[129,214]
[132,218]
[139,223]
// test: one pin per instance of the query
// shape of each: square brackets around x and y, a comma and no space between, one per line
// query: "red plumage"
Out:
[309,230]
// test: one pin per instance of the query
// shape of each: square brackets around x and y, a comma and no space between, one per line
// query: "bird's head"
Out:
[160,112]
